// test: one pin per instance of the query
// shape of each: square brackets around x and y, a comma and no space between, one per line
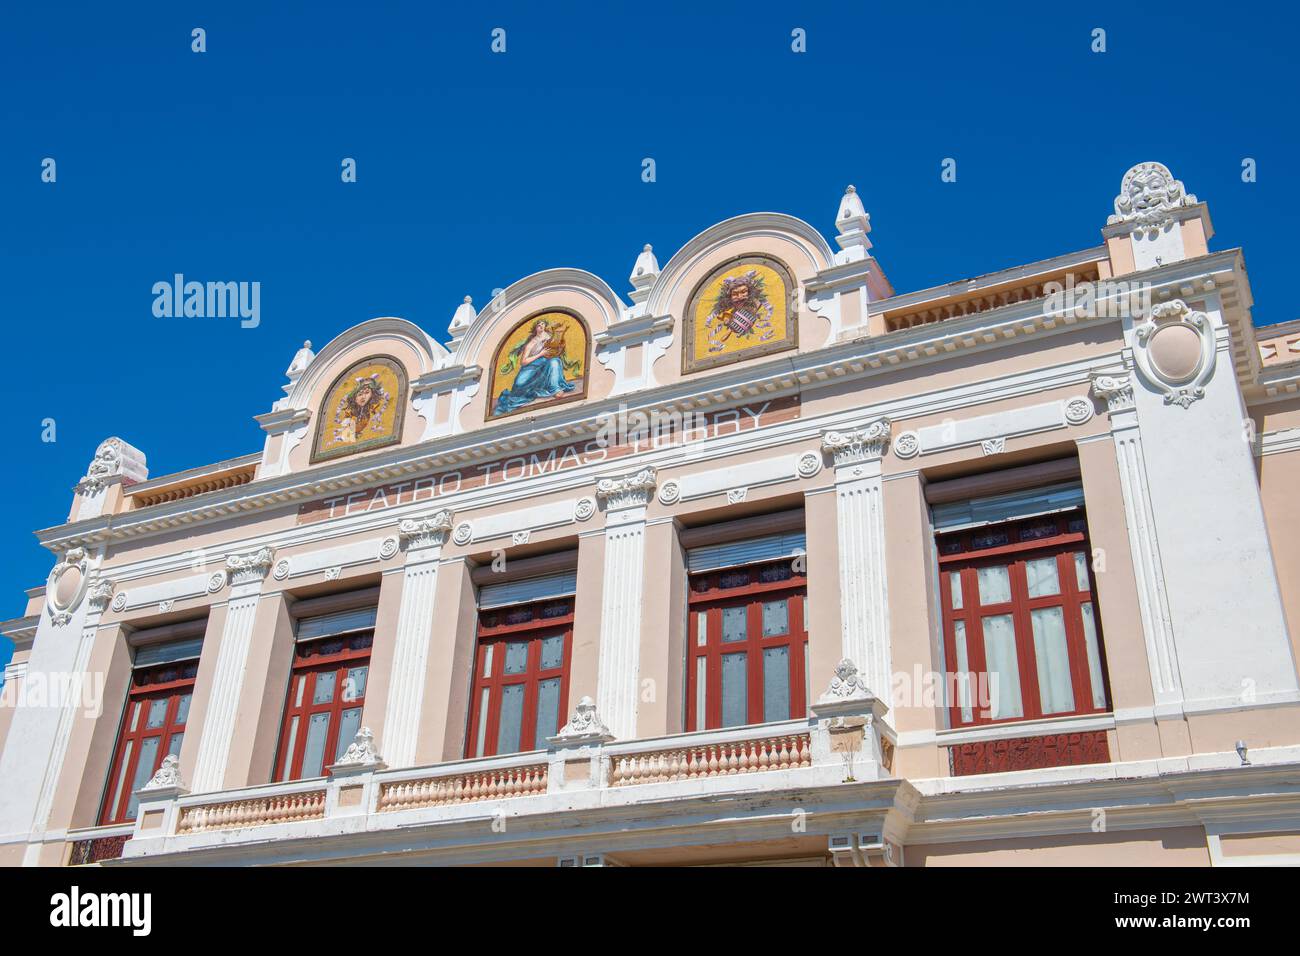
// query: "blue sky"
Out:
[476,168]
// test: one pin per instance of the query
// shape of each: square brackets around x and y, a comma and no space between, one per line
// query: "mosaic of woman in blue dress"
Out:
[541,375]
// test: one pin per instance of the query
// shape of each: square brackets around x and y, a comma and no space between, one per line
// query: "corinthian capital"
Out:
[251,567]
[629,491]
[426,531]
[861,444]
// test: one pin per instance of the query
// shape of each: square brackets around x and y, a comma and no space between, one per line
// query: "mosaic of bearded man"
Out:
[740,310]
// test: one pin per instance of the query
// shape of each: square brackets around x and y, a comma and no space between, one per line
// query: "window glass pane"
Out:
[349,724]
[137,717]
[776,618]
[995,584]
[313,758]
[954,585]
[776,683]
[1003,668]
[323,691]
[143,770]
[289,749]
[1053,657]
[733,624]
[1081,571]
[482,722]
[963,670]
[174,745]
[157,714]
[548,711]
[297,697]
[735,689]
[701,676]
[487,659]
[552,652]
[354,683]
[1094,655]
[183,709]
[1041,576]
[512,717]
[701,628]
[121,779]
[516,658]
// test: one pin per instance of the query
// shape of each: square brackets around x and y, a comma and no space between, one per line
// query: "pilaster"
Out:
[864,605]
[625,499]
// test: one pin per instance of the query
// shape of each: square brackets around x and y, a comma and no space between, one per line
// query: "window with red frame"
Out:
[327,691]
[1020,622]
[747,645]
[521,676]
[153,726]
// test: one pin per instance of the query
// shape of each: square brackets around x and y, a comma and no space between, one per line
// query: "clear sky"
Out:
[476,168]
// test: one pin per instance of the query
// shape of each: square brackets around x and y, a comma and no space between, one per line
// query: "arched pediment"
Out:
[577,290]
[808,253]
[373,335]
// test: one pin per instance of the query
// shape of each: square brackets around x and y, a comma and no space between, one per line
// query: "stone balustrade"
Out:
[254,812]
[436,791]
[713,760]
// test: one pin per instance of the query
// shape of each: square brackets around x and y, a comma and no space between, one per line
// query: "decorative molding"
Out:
[1149,197]
[737,495]
[809,465]
[1116,390]
[671,492]
[76,568]
[858,445]
[426,531]
[993,446]
[907,445]
[584,508]
[216,581]
[99,595]
[585,724]
[1079,410]
[1178,385]
[167,605]
[389,547]
[463,534]
[520,537]
[628,491]
[251,567]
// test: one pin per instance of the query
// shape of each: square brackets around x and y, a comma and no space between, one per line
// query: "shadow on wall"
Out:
[6,652]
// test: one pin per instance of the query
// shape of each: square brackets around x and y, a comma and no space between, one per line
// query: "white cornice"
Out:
[859,358]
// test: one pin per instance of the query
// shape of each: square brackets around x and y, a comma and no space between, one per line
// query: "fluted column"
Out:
[247,572]
[625,501]
[423,538]
[860,522]
[1157,631]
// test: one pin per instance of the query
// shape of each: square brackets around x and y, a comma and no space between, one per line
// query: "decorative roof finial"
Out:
[463,319]
[1148,197]
[853,224]
[643,275]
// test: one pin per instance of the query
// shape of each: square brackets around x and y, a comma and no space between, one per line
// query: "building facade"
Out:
[769,564]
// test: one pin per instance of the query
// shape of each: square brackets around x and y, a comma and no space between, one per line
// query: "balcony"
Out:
[364,808]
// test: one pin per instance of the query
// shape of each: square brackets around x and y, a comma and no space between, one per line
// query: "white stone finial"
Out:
[463,319]
[114,460]
[846,685]
[361,752]
[1148,197]
[643,274]
[168,776]
[853,224]
[584,724]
